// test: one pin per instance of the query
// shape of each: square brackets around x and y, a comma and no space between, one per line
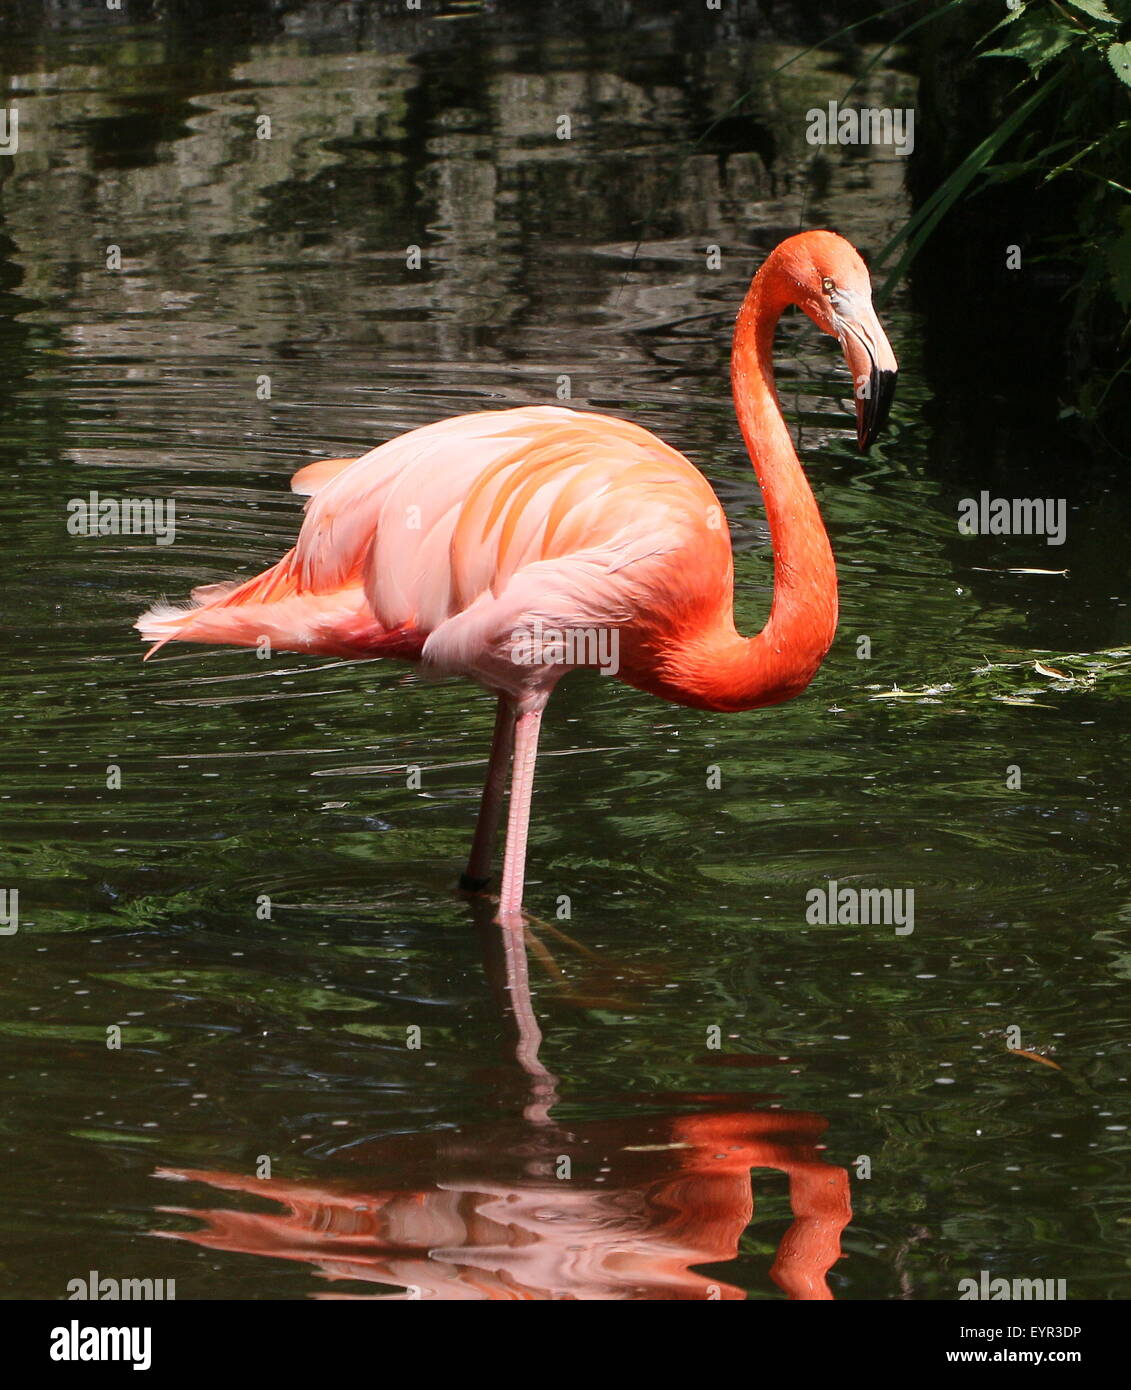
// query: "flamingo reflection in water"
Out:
[493,1221]
[534,1209]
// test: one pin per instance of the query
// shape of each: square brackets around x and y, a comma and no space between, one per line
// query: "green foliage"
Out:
[1072,52]
[1095,8]
[980,162]
[1119,56]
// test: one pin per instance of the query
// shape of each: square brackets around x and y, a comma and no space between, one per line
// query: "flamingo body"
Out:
[452,544]
[443,543]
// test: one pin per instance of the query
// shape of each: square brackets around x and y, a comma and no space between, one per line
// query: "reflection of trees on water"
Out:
[386,132]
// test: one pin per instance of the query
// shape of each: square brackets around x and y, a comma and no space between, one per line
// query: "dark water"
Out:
[248,1038]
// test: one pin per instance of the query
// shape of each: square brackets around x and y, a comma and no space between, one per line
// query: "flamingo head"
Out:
[825,277]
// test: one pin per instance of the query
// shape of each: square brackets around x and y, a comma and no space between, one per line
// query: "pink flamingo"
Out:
[497,545]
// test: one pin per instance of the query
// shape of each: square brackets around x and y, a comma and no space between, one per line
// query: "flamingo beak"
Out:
[871,362]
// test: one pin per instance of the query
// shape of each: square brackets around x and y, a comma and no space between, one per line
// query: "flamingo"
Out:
[478,546]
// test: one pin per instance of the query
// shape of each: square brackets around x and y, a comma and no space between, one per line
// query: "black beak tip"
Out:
[872,414]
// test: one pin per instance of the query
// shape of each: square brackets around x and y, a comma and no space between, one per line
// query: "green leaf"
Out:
[1119,56]
[1096,8]
[1037,45]
[1011,17]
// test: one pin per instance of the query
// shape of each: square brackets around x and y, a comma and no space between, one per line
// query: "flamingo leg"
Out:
[518,818]
[478,871]
[510,918]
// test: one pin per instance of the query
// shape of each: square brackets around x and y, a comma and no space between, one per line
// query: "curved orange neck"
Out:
[719,669]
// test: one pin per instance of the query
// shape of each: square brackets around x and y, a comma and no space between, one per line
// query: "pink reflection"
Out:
[486,1215]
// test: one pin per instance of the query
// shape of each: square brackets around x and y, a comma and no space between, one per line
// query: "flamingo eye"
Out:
[829,286]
